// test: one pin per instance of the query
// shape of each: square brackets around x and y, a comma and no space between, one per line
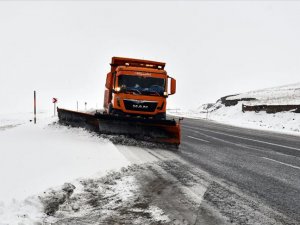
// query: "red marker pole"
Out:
[54,100]
[54,108]
[34,110]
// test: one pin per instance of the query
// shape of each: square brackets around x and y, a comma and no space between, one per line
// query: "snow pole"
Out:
[54,101]
[34,106]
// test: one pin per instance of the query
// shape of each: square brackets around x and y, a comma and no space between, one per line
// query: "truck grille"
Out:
[136,105]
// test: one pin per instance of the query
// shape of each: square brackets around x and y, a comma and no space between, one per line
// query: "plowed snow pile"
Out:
[37,157]
[286,122]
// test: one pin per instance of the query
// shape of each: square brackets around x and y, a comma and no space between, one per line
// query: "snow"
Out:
[118,196]
[284,122]
[35,157]
[14,119]
[24,212]
[158,214]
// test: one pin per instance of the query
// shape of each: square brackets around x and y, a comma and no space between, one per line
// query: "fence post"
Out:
[34,106]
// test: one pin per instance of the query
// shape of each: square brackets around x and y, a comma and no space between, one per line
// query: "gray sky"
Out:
[63,49]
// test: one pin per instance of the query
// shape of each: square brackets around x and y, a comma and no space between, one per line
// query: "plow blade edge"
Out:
[165,131]
[161,131]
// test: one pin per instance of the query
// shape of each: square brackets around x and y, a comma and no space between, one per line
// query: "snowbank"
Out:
[36,157]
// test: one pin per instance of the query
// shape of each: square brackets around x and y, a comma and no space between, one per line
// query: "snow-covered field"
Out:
[285,122]
[37,157]
[43,164]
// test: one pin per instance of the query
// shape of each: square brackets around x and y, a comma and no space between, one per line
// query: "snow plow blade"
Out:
[165,131]
[153,130]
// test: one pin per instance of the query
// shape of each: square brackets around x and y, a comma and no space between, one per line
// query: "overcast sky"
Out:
[63,48]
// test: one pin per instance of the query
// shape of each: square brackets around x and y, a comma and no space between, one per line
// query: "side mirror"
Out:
[173,86]
[109,81]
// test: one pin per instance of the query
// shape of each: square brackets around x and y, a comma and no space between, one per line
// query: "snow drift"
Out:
[36,157]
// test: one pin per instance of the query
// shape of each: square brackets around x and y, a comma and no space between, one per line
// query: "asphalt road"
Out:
[264,167]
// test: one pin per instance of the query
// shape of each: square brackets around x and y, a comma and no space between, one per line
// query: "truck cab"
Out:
[137,88]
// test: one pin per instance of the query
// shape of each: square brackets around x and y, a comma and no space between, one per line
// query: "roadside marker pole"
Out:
[85,105]
[54,100]
[34,105]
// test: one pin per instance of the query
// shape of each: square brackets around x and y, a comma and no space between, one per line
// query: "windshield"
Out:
[142,85]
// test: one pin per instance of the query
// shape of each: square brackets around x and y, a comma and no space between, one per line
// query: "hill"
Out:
[229,109]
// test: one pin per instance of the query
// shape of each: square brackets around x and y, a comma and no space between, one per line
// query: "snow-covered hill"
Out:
[286,122]
[287,95]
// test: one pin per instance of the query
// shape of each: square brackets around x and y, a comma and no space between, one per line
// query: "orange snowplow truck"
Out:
[138,88]
[134,103]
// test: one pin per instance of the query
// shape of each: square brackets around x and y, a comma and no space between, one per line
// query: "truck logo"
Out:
[139,106]
[143,74]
